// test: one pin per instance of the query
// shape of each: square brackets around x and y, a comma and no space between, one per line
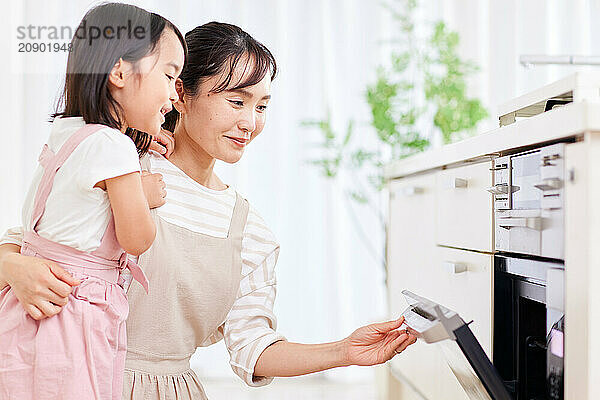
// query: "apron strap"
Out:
[52,163]
[238,220]
[145,162]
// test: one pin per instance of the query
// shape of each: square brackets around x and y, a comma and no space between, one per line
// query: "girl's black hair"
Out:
[215,49]
[107,33]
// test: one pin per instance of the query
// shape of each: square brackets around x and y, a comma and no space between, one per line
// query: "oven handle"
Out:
[534,223]
[503,188]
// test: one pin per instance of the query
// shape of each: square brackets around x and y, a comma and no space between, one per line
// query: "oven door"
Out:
[434,323]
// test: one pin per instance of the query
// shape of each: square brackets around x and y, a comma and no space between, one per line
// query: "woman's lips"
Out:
[240,142]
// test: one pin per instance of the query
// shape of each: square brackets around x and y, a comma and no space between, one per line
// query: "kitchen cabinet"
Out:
[441,235]
[453,277]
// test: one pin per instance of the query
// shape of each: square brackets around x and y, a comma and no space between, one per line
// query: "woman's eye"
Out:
[170,77]
[237,103]
[261,108]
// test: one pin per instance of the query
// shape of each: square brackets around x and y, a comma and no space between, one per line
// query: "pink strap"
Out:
[51,164]
[73,258]
[136,271]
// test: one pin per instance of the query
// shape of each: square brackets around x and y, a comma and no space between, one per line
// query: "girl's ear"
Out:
[180,104]
[116,77]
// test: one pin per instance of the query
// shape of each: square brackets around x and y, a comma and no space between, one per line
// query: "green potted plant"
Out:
[421,93]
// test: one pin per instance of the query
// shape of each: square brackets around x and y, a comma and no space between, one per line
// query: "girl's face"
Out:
[146,90]
[222,124]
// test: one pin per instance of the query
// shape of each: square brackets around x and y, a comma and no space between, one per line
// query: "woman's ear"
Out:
[116,77]
[180,104]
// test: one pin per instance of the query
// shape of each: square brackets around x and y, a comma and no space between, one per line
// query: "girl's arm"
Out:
[163,143]
[370,345]
[133,223]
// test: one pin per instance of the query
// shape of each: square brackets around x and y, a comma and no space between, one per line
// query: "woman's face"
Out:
[222,124]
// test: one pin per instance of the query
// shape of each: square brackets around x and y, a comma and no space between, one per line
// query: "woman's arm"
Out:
[5,250]
[133,223]
[41,286]
[369,345]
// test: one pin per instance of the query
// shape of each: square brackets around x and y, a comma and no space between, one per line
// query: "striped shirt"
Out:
[250,325]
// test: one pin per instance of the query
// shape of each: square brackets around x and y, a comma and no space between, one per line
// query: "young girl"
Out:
[86,207]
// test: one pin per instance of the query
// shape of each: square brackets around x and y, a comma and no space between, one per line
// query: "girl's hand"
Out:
[163,143]
[41,286]
[154,189]
[376,343]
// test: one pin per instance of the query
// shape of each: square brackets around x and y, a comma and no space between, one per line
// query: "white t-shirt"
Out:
[77,213]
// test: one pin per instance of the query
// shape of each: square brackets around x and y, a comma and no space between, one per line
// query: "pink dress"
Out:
[80,352]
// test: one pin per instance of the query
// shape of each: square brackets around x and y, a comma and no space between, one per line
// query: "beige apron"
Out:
[194,281]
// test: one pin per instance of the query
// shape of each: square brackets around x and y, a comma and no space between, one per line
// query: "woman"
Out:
[211,267]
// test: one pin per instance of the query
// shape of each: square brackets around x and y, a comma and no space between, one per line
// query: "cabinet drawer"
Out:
[464,211]
[465,284]
[411,236]
[462,281]
[410,245]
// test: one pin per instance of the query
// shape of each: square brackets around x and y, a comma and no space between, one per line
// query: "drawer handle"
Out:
[550,184]
[534,223]
[410,191]
[455,267]
[458,183]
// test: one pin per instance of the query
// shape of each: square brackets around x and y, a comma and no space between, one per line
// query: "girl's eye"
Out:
[170,77]
[261,108]
[237,103]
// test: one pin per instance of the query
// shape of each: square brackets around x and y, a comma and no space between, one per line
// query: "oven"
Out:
[528,202]
[528,326]
[528,340]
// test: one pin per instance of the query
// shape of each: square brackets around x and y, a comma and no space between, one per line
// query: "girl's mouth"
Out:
[163,112]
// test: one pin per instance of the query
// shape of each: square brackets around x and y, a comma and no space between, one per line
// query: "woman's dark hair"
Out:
[107,33]
[215,49]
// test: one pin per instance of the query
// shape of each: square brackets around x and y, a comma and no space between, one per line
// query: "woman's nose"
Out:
[248,122]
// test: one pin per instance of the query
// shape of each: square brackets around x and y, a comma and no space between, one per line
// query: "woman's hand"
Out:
[154,189]
[163,143]
[376,343]
[41,286]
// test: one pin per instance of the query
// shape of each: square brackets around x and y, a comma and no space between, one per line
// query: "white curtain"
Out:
[329,273]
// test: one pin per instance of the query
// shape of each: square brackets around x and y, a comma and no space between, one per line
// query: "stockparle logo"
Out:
[84,32]
[43,48]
